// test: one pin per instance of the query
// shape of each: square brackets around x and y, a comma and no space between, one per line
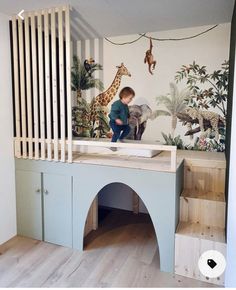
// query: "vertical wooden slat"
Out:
[101,60]
[35,86]
[16,87]
[22,87]
[92,54]
[68,83]
[96,58]
[83,57]
[62,89]
[78,52]
[41,86]
[54,84]
[47,84]
[28,85]
[87,56]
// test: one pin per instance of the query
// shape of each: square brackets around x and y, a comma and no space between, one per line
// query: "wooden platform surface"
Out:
[161,162]
[201,231]
[203,158]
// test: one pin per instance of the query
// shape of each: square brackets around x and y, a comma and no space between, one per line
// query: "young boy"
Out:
[119,115]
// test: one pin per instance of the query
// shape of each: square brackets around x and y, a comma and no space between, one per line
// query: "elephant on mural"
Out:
[139,114]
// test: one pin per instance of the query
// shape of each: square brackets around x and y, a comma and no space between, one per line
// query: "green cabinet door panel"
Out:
[29,204]
[57,208]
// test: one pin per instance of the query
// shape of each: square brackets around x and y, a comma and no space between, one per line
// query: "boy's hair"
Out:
[125,92]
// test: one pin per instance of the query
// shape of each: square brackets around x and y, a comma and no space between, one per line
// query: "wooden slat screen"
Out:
[41,56]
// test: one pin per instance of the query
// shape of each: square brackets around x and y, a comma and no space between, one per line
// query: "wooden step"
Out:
[197,230]
[207,208]
[201,194]
[203,170]
[191,241]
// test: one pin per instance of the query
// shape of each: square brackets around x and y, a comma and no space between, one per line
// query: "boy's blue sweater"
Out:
[119,111]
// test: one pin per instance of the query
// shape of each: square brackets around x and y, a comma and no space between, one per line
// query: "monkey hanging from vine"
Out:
[149,58]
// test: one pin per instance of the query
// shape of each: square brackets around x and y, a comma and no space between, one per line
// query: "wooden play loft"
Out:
[41,55]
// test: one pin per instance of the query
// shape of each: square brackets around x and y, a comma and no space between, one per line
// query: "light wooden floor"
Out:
[116,255]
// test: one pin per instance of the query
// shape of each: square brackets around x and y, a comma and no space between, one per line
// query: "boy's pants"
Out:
[117,129]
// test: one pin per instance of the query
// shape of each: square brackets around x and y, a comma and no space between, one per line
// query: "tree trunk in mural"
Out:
[173,125]
[79,96]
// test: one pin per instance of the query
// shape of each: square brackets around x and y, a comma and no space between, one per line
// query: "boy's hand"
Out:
[119,122]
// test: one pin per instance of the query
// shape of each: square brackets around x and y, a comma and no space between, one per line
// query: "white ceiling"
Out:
[117,17]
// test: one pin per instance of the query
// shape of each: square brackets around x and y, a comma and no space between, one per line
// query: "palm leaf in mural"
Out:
[174,103]
[177,141]
[215,90]
[81,79]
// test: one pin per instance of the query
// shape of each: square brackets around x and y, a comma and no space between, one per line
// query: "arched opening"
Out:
[119,220]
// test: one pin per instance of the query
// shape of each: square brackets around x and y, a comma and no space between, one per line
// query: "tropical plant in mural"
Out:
[80,119]
[101,128]
[174,141]
[215,95]
[174,102]
[201,104]
[82,79]
[208,91]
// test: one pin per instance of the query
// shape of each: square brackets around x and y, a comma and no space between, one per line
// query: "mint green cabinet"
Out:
[44,206]
[57,197]
[29,204]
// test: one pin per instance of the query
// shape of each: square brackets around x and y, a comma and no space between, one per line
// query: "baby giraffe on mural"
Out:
[104,98]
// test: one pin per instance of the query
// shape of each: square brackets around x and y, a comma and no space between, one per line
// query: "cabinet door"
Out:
[57,190]
[29,204]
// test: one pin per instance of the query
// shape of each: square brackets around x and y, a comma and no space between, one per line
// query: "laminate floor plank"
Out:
[123,252]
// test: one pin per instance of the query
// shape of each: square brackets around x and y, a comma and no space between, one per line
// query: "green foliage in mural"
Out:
[174,103]
[208,90]
[208,144]
[176,141]
[81,79]
[101,127]
[196,76]
[80,119]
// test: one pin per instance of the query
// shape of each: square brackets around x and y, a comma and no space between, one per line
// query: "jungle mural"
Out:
[206,106]
[200,107]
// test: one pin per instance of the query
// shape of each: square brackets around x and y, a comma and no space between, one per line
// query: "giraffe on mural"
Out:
[104,98]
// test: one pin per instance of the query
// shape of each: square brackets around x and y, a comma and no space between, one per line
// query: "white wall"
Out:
[7,169]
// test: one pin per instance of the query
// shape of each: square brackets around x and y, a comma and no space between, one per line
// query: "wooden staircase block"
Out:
[196,230]
[207,208]
[201,194]
[191,241]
